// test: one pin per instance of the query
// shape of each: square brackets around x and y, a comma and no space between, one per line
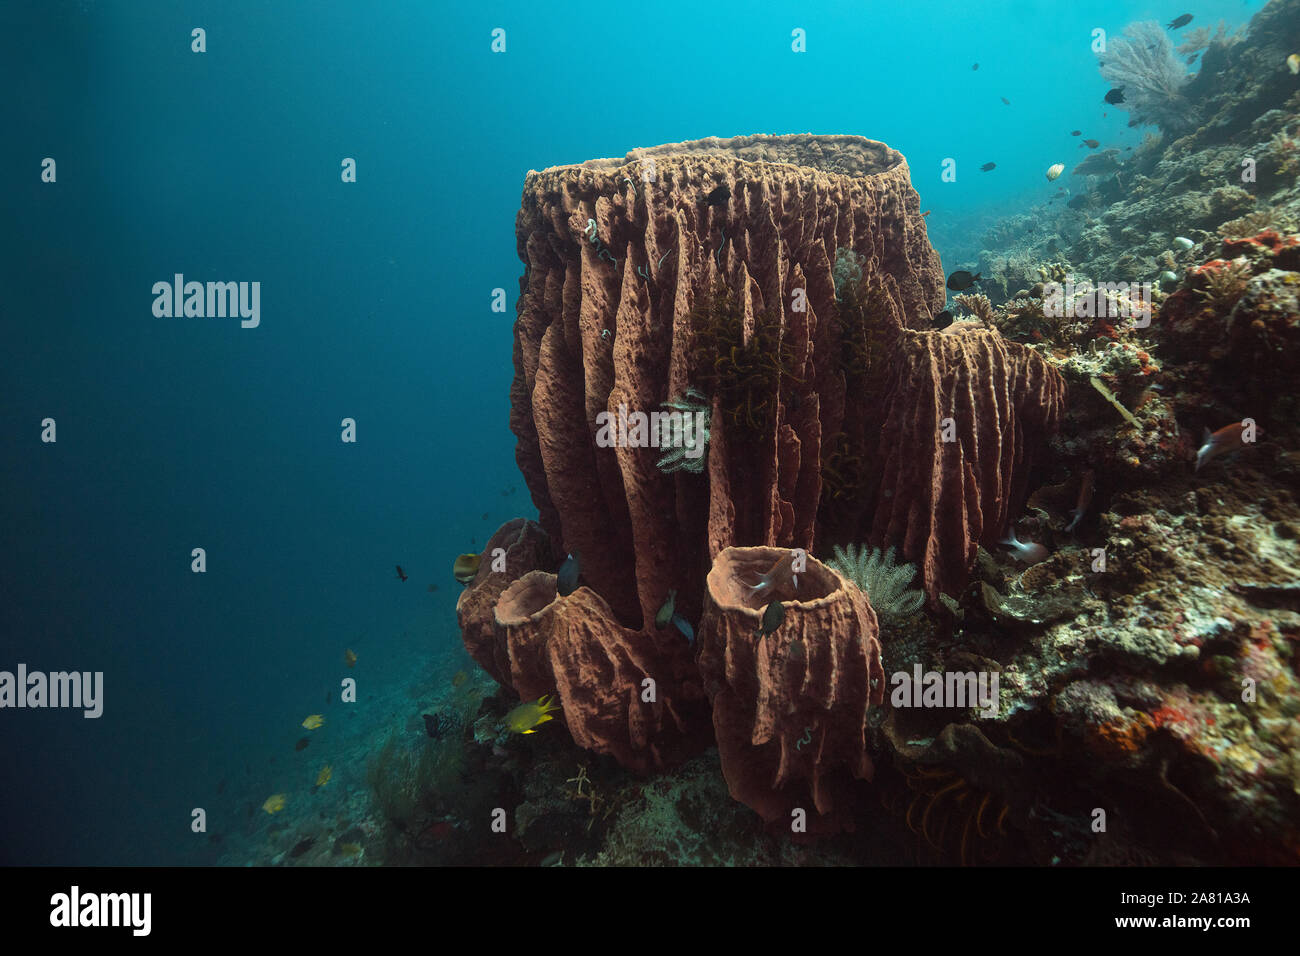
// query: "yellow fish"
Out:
[314,721]
[350,849]
[323,777]
[466,567]
[349,658]
[459,678]
[526,718]
[1293,63]
[274,803]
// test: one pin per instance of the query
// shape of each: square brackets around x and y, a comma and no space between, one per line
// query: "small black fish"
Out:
[1115,96]
[772,618]
[1182,21]
[962,280]
[987,166]
[1079,201]
[1191,59]
[942,320]
[1132,123]
[485,515]
[400,573]
[975,67]
[1076,132]
[302,847]
[566,582]
[301,744]
[718,197]
[1005,100]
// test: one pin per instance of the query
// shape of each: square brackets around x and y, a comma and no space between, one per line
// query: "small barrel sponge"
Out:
[636,697]
[790,707]
[526,548]
[521,623]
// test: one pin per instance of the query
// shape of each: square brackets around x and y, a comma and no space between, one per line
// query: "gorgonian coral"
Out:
[1144,65]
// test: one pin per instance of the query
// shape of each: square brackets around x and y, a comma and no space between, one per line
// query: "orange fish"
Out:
[1228,439]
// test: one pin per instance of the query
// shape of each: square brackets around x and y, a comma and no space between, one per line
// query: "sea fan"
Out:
[1143,64]
[885,583]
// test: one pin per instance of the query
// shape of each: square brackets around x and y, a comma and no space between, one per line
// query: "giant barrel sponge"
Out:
[782,287]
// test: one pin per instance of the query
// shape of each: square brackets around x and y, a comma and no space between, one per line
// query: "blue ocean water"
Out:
[376,305]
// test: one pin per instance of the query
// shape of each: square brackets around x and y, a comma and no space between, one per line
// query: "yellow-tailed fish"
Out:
[274,803]
[526,718]
[323,777]
[349,658]
[313,721]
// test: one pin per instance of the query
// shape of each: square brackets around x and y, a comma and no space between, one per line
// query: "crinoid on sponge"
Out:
[883,582]
[744,372]
[688,427]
